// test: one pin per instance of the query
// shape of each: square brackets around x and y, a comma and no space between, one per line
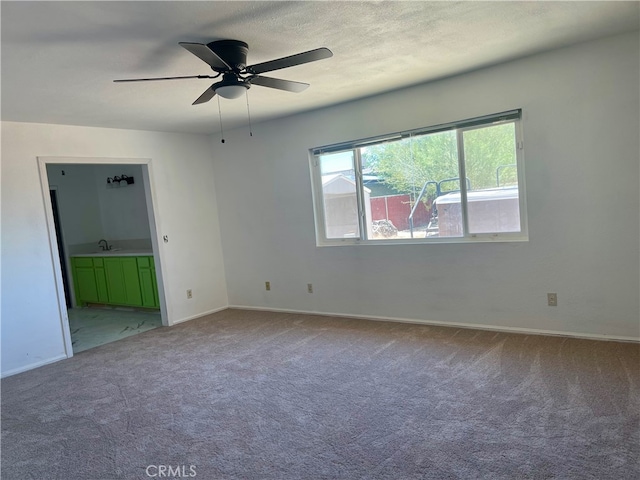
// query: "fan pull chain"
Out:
[220,114]
[246,94]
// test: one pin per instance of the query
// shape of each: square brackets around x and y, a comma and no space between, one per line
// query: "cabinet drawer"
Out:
[98,262]
[145,262]
[83,262]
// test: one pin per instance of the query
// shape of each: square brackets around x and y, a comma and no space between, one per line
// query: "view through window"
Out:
[407,187]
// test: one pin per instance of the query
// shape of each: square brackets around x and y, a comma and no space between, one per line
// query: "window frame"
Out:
[460,127]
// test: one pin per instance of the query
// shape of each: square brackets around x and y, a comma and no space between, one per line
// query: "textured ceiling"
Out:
[59,58]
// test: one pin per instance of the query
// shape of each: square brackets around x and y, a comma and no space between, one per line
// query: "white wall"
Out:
[123,210]
[185,210]
[581,123]
[78,202]
[89,211]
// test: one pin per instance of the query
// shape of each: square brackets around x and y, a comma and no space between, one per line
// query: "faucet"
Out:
[106,245]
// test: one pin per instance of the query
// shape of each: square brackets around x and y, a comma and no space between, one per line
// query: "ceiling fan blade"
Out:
[286,85]
[291,61]
[163,78]
[205,54]
[208,94]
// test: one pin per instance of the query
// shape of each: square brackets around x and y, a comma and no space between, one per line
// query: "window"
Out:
[406,187]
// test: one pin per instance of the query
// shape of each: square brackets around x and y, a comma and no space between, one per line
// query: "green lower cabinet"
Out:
[155,288]
[115,281]
[101,284]
[126,281]
[89,280]
[86,288]
[148,285]
[131,281]
[122,281]
[146,288]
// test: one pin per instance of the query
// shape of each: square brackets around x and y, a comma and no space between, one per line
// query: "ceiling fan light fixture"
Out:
[232,91]
[229,59]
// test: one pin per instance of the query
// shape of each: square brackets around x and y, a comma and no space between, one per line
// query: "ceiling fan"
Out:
[228,58]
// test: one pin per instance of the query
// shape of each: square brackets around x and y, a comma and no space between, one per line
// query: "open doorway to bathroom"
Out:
[102,224]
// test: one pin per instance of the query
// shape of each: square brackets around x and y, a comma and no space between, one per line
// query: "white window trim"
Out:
[460,127]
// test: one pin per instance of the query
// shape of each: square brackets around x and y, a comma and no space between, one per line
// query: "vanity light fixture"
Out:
[119,181]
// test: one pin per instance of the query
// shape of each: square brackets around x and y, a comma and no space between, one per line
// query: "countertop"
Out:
[116,252]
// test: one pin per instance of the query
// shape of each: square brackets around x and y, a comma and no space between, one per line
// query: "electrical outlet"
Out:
[309,288]
[552,299]
[189,294]
[267,286]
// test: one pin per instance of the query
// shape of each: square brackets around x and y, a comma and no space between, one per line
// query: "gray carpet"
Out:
[254,395]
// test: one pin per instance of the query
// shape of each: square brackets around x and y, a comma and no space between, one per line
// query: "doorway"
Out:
[81,208]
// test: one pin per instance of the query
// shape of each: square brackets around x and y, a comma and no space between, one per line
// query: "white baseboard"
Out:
[473,326]
[31,366]
[199,315]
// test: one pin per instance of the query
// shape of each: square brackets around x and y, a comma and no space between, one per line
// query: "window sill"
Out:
[504,238]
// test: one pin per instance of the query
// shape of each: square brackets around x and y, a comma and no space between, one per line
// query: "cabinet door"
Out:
[101,279]
[101,285]
[115,281]
[85,283]
[156,298]
[131,281]
[148,285]
[147,288]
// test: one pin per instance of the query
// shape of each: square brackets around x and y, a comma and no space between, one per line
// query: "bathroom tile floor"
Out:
[94,326]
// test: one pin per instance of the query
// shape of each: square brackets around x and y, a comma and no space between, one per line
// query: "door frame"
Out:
[150,195]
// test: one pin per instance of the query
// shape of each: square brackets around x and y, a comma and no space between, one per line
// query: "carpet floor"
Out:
[256,395]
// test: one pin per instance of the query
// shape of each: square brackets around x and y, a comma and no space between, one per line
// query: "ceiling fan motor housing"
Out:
[234,52]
